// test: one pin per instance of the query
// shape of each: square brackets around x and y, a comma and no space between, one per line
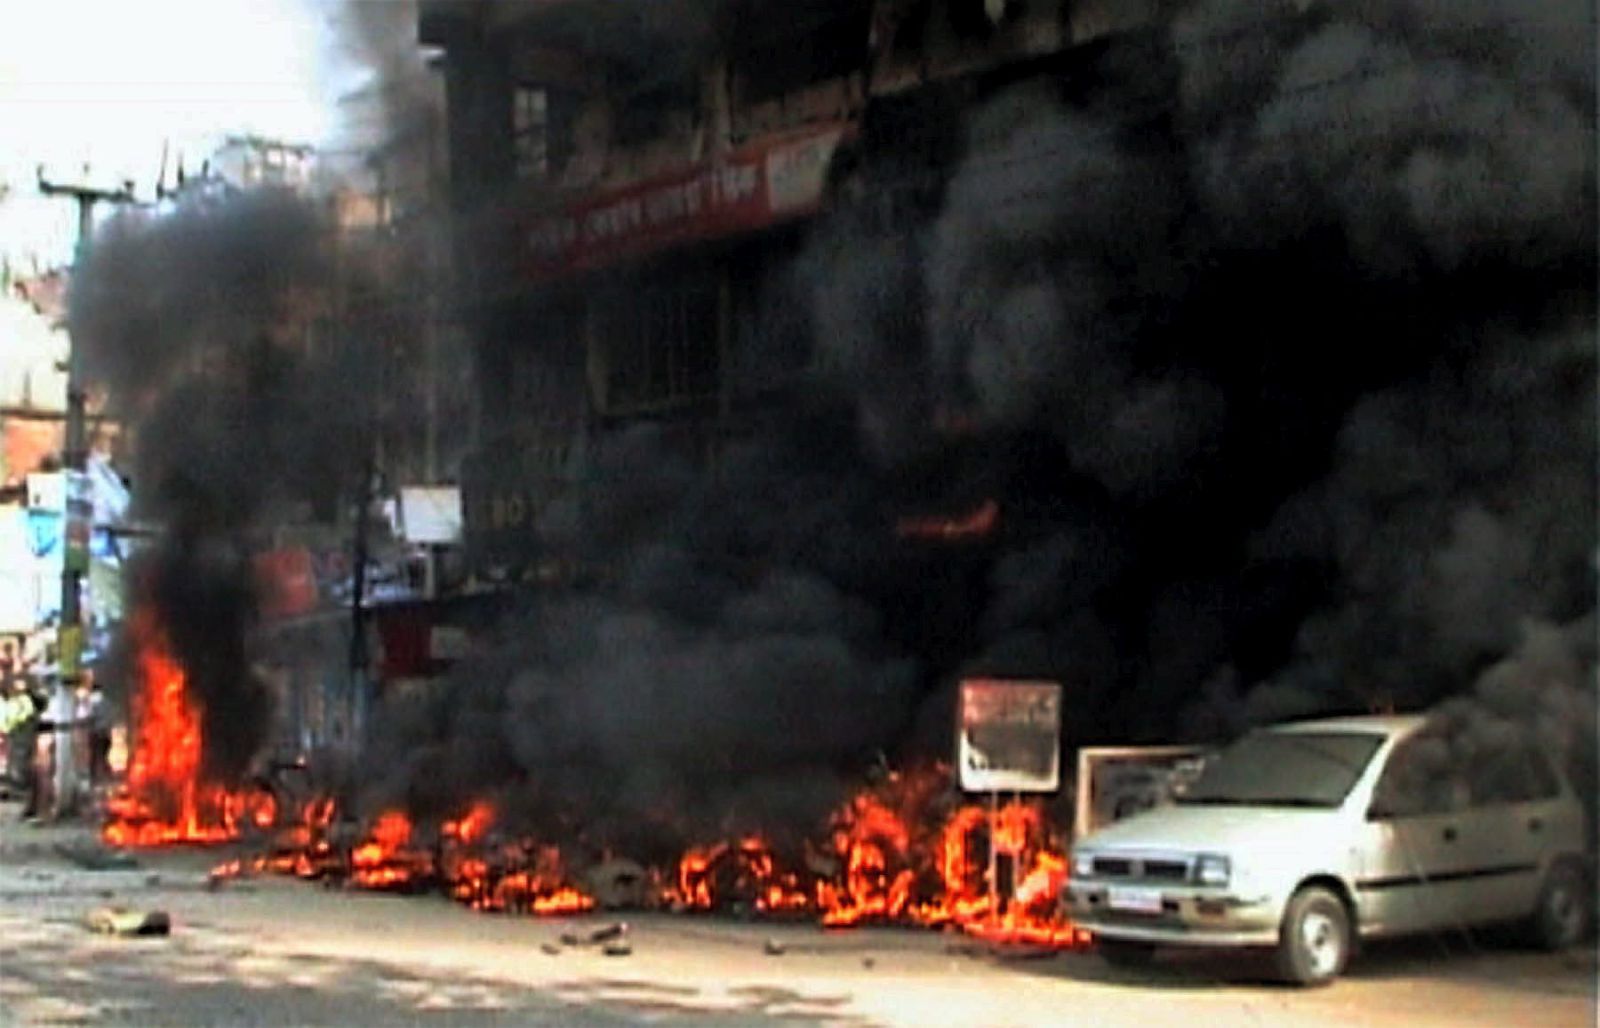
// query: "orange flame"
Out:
[565,900]
[163,799]
[519,877]
[897,860]
[302,849]
[472,825]
[874,842]
[386,860]
[746,871]
[980,523]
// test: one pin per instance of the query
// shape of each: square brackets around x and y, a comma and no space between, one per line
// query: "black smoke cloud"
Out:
[1431,137]
[1272,333]
[1447,150]
[158,294]
[390,95]
[716,670]
[202,325]
[1050,266]
[1318,322]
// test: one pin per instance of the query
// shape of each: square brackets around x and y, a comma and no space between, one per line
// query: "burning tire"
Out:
[1123,953]
[1561,918]
[1314,938]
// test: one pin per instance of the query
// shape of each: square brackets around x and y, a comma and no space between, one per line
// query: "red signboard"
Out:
[405,634]
[755,187]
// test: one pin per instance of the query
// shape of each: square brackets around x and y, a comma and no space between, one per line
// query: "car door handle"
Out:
[1449,834]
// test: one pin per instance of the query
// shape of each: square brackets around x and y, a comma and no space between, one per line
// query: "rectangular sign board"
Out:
[763,183]
[1115,782]
[47,490]
[431,515]
[1009,735]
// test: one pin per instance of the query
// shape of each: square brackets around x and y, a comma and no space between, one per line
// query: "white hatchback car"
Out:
[1307,836]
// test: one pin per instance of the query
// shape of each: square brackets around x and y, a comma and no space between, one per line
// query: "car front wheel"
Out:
[1314,938]
[1561,919]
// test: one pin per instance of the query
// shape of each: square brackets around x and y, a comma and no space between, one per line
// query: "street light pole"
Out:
[76,522]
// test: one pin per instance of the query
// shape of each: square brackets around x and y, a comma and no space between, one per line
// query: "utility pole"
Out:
[435,244]
[77,521]
[360,662]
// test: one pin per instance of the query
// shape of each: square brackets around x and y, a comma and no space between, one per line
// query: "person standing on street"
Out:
[56,725]
[19,717]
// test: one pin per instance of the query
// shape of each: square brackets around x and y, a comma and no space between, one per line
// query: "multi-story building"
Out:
[247,162]
[631,181]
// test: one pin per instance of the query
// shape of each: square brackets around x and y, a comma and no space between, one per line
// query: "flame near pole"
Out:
[165,798]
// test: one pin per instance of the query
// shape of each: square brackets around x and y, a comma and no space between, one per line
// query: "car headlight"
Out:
[1082,865]
[1212,869]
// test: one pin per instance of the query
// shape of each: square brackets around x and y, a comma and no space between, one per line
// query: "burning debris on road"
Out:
[906,852]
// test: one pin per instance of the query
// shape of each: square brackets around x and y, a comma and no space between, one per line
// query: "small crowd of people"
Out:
[33,713]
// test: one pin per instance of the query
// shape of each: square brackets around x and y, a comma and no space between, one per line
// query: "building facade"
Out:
[631,185]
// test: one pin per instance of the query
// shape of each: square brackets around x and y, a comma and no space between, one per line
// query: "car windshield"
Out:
[1285,769]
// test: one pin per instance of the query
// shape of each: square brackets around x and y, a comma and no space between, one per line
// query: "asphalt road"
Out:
[275,951]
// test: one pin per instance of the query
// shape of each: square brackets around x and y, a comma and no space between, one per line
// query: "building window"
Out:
[543,129]
[659,347]
[530,131]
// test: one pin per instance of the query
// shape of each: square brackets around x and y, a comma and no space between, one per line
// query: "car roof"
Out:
[1376,724]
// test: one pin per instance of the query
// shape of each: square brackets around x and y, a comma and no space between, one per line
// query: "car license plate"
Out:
[1138,901]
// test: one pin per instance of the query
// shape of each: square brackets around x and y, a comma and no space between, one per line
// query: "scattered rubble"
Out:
[123,921]
[610,933]
[91,857]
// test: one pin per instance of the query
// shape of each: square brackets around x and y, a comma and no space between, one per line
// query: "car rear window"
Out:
[1516,774]
[1437,771]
